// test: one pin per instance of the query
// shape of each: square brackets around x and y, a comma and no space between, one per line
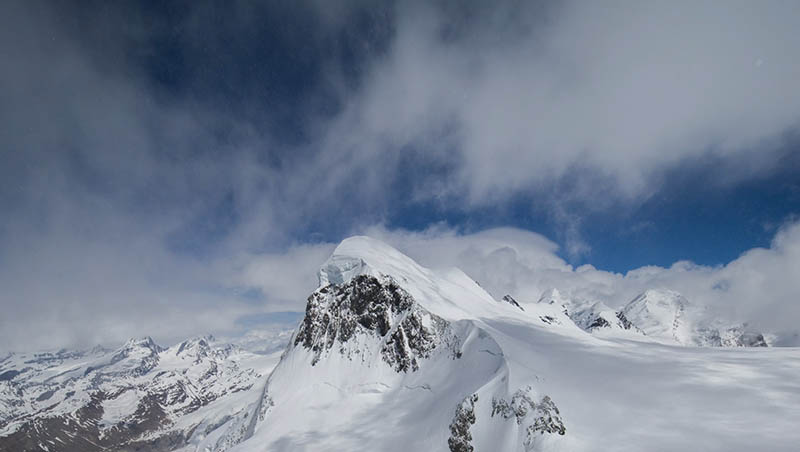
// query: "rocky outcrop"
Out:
[374,308]
[510,300]
[460,438]
[623,320]
[597,316]
[536,417]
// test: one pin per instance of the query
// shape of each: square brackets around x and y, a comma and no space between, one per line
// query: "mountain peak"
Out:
[364,255]
[358,245]
[197,346]
[509,299]
[144,342]
[552,296]
[137,356]
[660,313]
[448,293]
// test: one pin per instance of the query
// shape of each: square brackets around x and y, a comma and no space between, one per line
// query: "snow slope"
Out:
[610,392]
[387,354]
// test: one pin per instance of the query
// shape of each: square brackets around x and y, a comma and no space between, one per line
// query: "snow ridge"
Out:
[385,339]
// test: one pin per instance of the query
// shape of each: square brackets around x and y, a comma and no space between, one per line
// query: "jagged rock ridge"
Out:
[510,300]
[460,439]
[366,305]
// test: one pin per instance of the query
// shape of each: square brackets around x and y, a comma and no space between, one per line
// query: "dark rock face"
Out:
[537,418]
[460,438]
[335,314]
[548,319]
[510,300]
[624,321]
[9,375]
[548,419]
[592,318]
[599,322]
[336,311]
[409,341]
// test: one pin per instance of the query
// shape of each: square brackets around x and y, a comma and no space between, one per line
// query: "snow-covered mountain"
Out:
[139,396]
[392,356]
[657,314]
[588,316]
[667,315]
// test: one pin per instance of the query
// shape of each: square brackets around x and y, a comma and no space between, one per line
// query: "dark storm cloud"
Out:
[159,160]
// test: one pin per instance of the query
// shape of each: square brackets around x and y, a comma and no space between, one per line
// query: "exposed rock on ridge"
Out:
[379,308]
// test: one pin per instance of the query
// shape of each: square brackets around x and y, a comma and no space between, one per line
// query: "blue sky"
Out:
[156,151]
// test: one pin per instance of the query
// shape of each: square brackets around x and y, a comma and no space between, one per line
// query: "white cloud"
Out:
[760,286]
[521,95]
[286,279]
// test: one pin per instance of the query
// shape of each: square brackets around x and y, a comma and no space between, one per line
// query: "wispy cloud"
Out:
[621,89]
